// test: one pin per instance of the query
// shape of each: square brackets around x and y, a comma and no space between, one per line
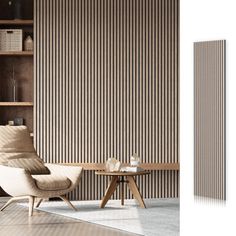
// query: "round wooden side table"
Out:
[118,178]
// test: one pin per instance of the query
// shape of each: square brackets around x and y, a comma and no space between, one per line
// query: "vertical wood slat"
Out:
[106,84]
[209,119]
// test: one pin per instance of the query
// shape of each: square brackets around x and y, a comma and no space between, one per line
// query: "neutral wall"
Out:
[106,85]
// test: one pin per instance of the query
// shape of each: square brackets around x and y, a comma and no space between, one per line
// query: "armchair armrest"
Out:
[71,172]
[16,181]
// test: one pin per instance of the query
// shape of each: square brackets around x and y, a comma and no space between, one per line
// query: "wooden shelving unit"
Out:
[16,104]
[13,53]
[23,65]
[18,66]
[16,22]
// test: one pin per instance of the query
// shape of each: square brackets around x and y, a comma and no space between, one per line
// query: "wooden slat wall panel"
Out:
[209,87]
[106,84]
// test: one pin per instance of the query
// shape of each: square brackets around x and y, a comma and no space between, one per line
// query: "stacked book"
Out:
[131,169]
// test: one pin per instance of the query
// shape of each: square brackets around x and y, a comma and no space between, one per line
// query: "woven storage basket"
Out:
[11,39]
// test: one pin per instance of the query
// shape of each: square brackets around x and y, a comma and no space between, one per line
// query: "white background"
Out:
[206,20]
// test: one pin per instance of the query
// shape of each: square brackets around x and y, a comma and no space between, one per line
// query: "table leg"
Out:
[134,189]
[110,190]
[122,190]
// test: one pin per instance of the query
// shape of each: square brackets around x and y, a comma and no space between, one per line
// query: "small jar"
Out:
[28,44]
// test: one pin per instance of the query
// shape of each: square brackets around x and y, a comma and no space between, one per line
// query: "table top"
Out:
[118,173]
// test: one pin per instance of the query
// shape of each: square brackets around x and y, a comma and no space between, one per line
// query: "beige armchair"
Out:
[23,175]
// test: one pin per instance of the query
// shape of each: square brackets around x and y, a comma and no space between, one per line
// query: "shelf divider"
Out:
[15,53]
[16,104]
[16,22]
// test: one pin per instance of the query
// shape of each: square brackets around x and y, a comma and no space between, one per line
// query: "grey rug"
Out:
[161,218]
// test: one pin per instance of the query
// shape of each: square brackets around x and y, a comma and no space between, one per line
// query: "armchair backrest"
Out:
[17,150]
[15,139]
[15,143]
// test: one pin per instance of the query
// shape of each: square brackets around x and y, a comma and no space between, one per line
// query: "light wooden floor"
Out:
[14,221]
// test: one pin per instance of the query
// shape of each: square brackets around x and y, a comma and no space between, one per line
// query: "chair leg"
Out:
[68,202]
[31,205]
[38,203]
[8,203]
[13,199]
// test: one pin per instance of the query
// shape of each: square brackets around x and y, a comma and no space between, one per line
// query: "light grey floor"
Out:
[160,218]
[14,221]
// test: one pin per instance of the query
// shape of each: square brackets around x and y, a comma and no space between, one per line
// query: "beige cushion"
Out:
[5,157]
[34,165]
[15,139]
[52,182]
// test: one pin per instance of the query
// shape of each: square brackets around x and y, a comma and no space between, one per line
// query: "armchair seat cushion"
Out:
[34,165]
[52,182]
[7,156]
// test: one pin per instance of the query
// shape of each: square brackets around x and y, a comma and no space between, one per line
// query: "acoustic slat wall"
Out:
[106,85]
[209,87]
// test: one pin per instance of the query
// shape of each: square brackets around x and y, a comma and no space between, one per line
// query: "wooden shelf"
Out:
[145,166]
[13,53]
[16,104]
[23,62]
[16,22]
